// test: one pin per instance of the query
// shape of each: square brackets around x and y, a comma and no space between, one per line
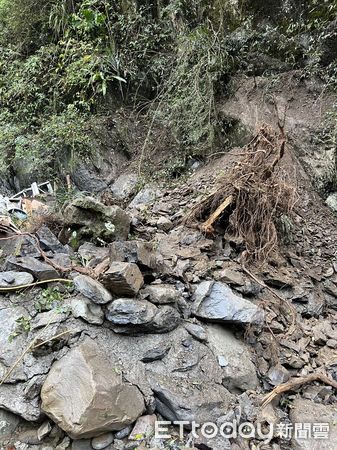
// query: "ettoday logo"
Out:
[245,430]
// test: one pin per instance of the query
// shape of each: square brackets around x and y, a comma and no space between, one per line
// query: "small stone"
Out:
[164,224]
[161,294]
[92,289]
[44,430]
[123,433]
[144,427]
[197,331]
[29,437]
[83,308]
[332,343]
[231,277]
[8,423]
[124,279]
[102,441]
[331,201]
[49,241]
[155,354]
[277,375]
[235,359]
[64,444]
[81,444]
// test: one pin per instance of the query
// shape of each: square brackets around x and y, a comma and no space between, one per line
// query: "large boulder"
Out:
[85,395]
[92,218]
[217,302]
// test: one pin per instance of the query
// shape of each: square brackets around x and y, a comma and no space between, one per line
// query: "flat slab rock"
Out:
[40,270]
[86,396]
[215,301]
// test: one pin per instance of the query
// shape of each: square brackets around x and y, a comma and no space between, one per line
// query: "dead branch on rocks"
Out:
[251,196]
[295,383]
[83,270]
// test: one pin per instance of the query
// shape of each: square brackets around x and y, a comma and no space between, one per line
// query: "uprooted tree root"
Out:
[252,196]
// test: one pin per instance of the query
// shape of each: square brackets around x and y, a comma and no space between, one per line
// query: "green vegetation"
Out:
[23,326]
[49,299]
[63,63]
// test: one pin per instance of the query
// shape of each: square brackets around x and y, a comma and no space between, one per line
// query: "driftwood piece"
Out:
[295,383]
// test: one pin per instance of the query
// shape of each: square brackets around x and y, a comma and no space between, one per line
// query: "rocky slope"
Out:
[150,319]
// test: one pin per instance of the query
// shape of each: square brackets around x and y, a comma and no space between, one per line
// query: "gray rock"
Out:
[40,270]
[155,354]
[230,276]
[102,441]
[161,294]
[124,279]
[85,395]
[8,424]
[81,444]
[64,444]
[234,357]
[197,331]
[92,289]
[12,279]
[22,399]
[124,186]
[331,201]
[126,311]
[93,219]
[145,197]
[92,254]
[10,351]
[216,302]
[123,433]
[141,253]
[164,224]
[166,319]
[49,241]
[307,411]
[185,401]
[29,437]
[277,375]
[86,178]
[85,309]
[44,430]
